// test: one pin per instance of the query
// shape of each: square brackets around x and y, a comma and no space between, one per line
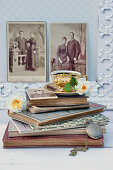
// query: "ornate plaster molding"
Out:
[102,91]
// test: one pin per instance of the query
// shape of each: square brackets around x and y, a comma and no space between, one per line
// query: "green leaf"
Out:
[73,81]
[67,87]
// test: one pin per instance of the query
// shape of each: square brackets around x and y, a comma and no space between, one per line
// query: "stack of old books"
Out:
[54,121]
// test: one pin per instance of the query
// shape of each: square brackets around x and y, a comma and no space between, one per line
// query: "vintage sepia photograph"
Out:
[26,51]
[68,47]
[40,93]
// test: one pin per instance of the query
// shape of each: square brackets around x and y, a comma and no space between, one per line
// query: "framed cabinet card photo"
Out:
[26,51]
[68,47]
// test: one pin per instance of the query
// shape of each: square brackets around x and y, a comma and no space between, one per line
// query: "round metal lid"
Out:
[94,131]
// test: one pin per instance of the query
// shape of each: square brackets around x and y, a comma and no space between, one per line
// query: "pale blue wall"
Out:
[50,11]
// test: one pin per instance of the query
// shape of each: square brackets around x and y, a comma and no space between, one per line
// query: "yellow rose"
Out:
[17,103]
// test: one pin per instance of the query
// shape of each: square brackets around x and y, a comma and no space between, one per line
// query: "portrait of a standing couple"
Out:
[68,47]
[27,51]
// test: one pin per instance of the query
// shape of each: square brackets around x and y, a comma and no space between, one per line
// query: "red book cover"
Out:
[49,141]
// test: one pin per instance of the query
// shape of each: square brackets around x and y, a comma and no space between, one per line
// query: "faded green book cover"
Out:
[99,119]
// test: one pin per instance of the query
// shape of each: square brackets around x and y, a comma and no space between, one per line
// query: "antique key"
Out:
[93,131]
[74,151]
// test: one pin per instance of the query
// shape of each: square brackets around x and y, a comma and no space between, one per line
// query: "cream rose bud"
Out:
[17,103]
[81,79]
[83,87]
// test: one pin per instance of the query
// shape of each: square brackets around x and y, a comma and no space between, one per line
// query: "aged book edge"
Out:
[36,122]
[60,140]
[35,109]
[62,102]
[13,130]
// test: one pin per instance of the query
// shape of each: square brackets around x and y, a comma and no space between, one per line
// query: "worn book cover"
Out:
[50,141]
[36,109]
[17,128]
[52,117]
[75,123]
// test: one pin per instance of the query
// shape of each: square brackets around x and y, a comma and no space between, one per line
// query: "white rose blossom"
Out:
[83,87]
[17,103]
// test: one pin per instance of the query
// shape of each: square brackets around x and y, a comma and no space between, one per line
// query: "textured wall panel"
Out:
[50,11]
